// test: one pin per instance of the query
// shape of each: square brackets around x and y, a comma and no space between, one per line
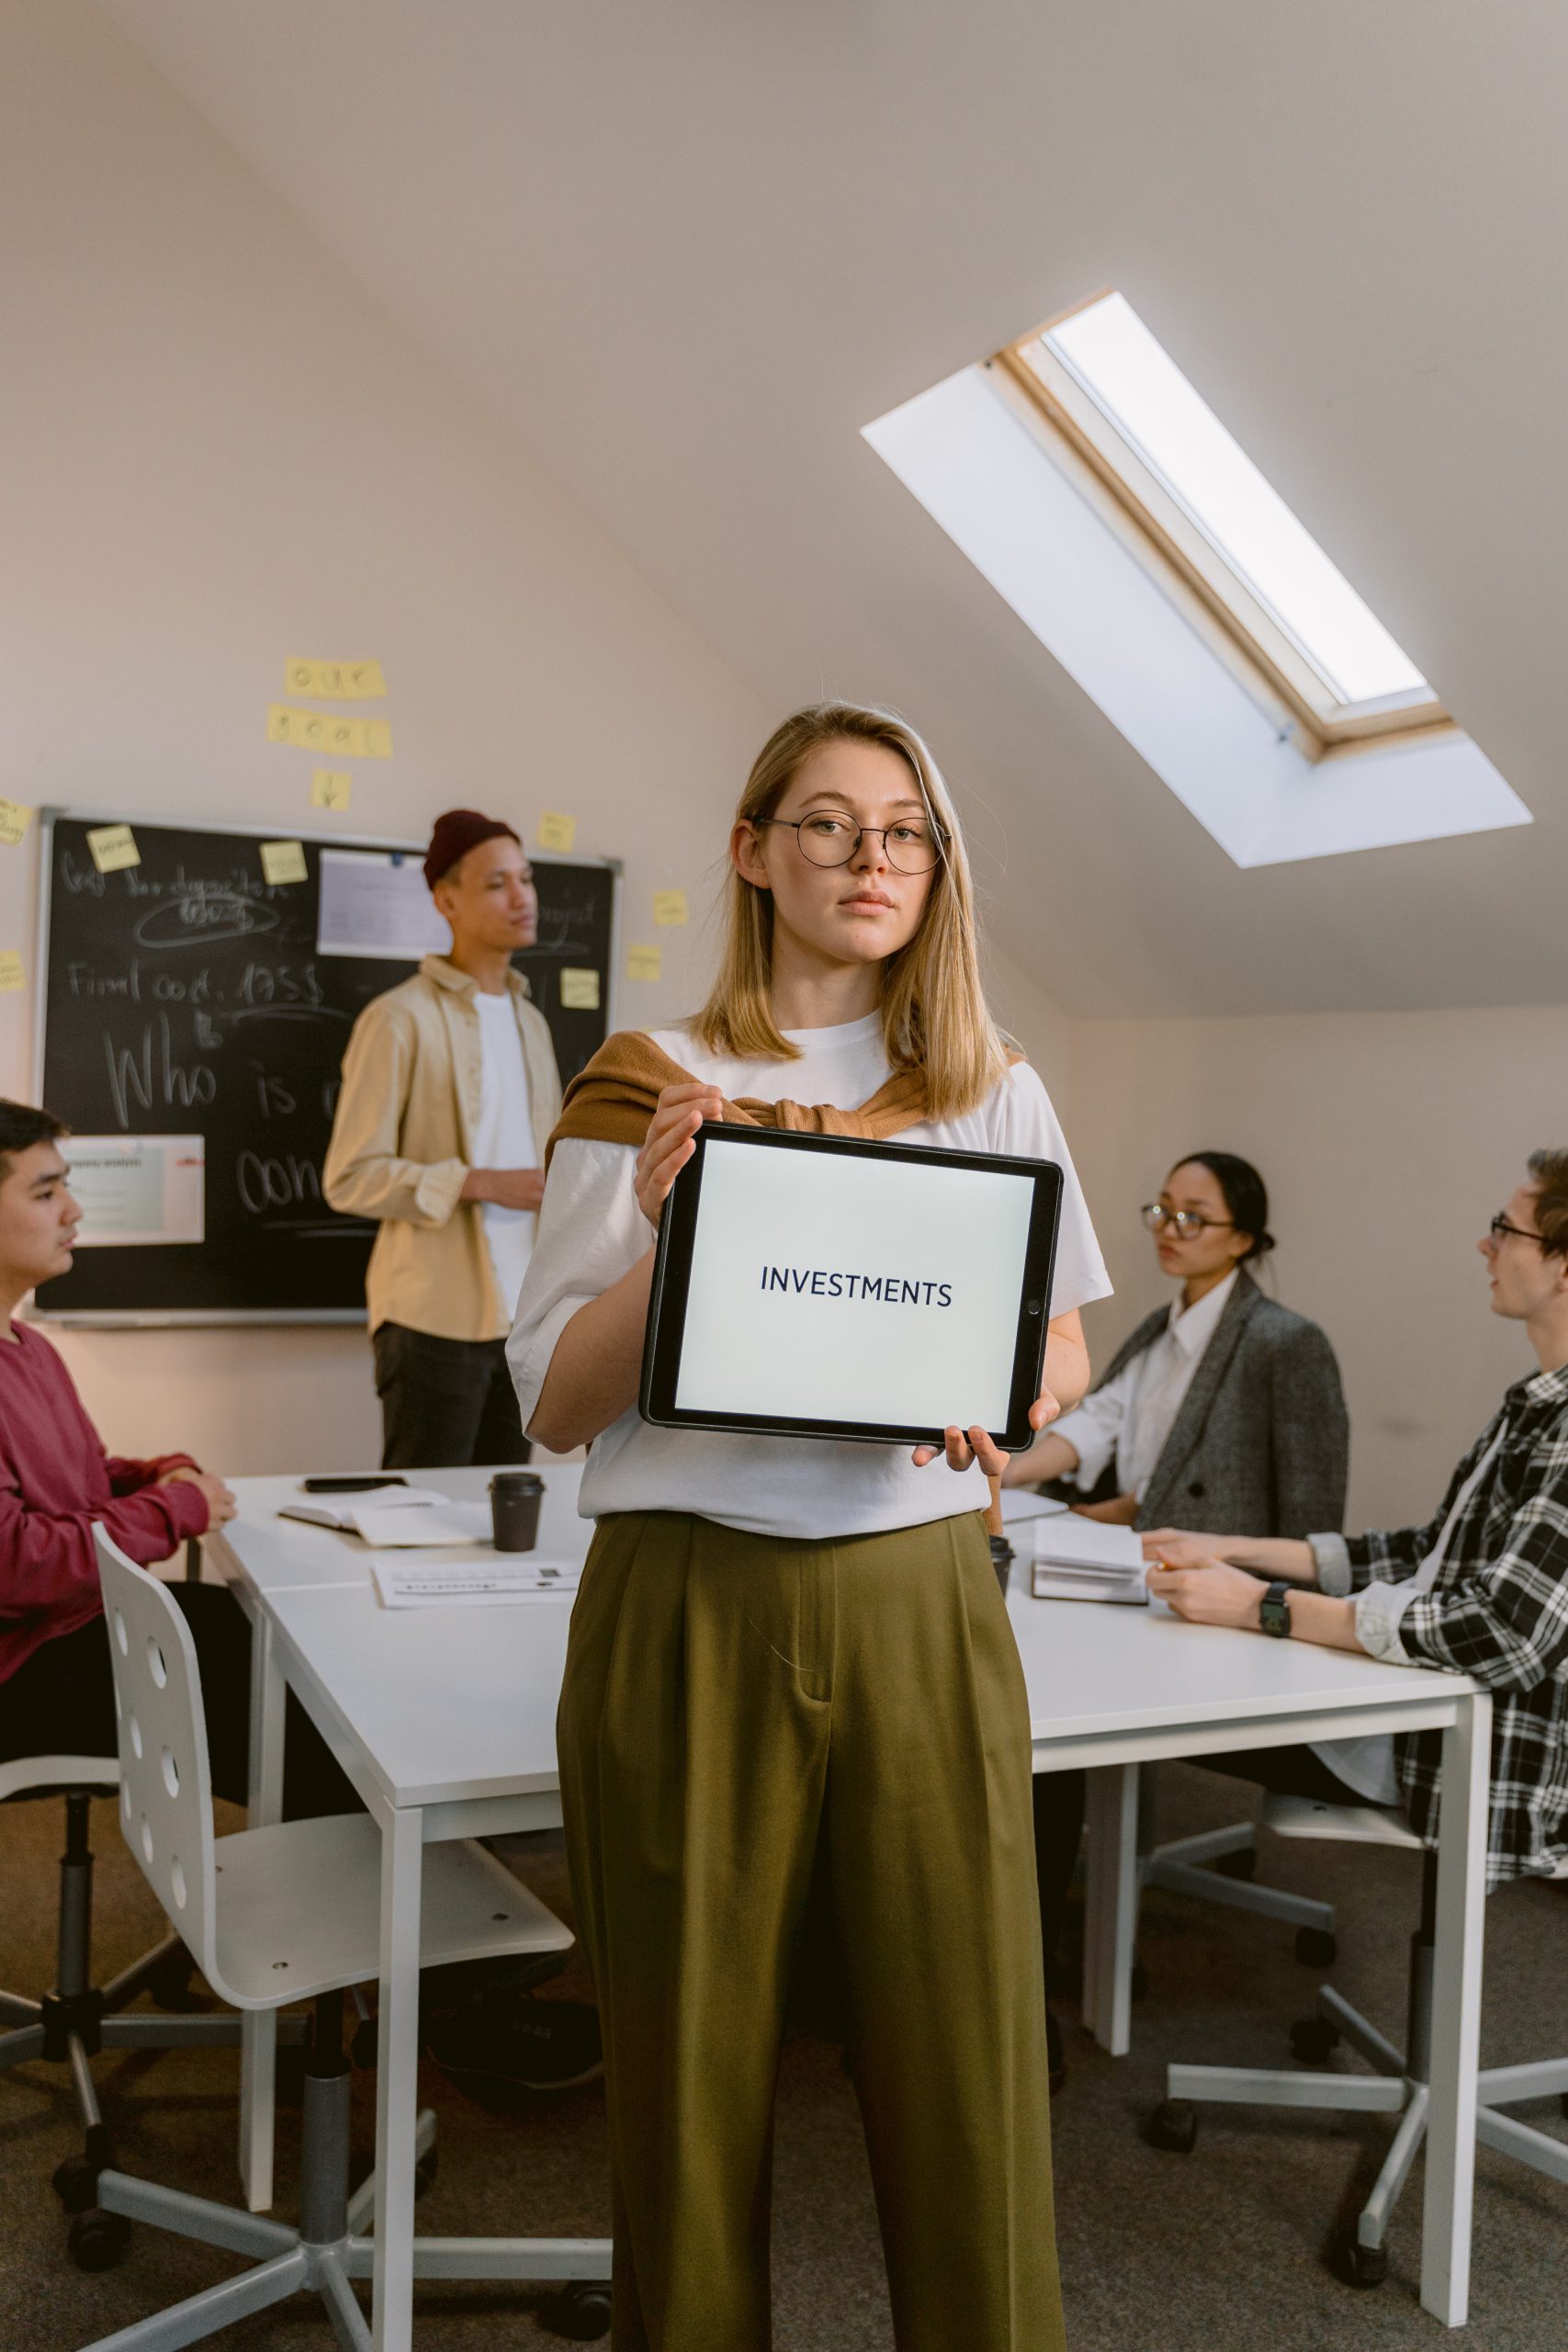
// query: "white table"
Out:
[1110,1688]
[444,1720]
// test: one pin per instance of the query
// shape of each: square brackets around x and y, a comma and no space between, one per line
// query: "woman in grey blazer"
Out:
[1224,1403]
[1227,1400]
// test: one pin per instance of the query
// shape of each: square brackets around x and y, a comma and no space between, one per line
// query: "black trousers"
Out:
[61,1701]
[1060,1799]
[444,1402]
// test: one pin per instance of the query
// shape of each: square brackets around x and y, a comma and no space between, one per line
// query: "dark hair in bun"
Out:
[1245,1194]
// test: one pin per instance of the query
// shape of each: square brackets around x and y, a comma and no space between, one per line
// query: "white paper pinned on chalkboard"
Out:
[377,902]
[134,1189]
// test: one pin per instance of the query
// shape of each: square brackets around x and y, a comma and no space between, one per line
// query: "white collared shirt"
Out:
[1132,1416]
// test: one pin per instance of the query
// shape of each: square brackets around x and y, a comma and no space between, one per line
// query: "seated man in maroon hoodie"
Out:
[56,1692]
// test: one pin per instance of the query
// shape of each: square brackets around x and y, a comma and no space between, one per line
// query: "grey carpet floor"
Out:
[1225,2248]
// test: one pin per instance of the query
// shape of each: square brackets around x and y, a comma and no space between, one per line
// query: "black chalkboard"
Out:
[186,996]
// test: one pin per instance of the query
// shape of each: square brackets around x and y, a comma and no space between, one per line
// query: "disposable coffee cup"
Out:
[514,1499]
[1001,1560]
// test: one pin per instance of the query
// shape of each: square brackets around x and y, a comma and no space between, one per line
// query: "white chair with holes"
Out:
[1398,2082]
[274,1915]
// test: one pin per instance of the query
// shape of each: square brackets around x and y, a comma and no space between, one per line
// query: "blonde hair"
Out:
[934,1015]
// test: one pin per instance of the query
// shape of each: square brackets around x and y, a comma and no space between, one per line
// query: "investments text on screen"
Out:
[890,1290]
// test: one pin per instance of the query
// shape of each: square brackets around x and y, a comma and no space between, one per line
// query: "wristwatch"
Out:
[1274,1610]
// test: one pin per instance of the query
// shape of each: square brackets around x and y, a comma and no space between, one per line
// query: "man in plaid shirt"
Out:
[1482,1588]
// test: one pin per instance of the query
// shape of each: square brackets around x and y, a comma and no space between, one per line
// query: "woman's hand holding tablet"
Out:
[672,1133]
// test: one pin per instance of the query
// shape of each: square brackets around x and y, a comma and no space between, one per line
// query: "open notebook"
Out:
[1084,1559]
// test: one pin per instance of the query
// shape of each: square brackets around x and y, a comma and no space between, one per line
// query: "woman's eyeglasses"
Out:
[1499,1225]
[1183,1223]
[829,837]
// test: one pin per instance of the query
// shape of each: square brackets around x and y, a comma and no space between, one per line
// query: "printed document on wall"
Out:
[137,1189]
[375,902]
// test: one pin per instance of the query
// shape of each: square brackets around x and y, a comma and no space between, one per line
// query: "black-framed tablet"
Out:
[817,1286]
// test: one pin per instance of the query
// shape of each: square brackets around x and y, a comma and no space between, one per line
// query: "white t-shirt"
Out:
[504,1137]
[1131,1417]
[592,1232]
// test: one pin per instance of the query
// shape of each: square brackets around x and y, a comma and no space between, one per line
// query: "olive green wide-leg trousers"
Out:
[738,1709]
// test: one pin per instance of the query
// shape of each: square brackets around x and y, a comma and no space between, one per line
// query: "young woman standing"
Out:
[791,1653]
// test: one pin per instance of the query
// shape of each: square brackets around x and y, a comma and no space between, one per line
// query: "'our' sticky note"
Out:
[113,846]
[11,973]
[14,822]
[669,906]
[578,990]
[330,788]
[334,681]
[644,962]
[284,862]
[556,831]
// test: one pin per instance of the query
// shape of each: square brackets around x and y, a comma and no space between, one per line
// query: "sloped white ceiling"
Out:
[688,250]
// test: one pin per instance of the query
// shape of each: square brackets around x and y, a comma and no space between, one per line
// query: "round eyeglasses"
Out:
[832,837]
[1183,1223]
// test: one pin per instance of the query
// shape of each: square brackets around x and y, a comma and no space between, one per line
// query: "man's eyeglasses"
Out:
[1183,1223]
[1499,1225]
[829,837]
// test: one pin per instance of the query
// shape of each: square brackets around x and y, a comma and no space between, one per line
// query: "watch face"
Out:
[1274,1613]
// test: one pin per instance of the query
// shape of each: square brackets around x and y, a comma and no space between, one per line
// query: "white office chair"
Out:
[72,2023]
[1217,1867]
[1398,2084]
[278,1915]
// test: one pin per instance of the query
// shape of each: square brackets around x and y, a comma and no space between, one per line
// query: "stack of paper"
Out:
[1085,1559]
[445,1583]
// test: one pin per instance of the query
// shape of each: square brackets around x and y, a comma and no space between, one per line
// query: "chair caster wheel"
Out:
[1314,2041]
[1365,2266]
[580,2311]
[1241,1864]
[362,2049]
[170,1982]
[76,2183]
[1316,1947]
[1138,1984]
[425,2170]
[96,2240]
[1173,2126]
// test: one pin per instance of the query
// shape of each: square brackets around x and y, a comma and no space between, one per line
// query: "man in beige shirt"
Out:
[450,1091]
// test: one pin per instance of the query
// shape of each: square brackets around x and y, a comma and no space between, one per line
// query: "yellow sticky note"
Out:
[556,831]
[644,962]
[330,788]
[14,822]
[11,973]
[578,990]
[669,906]
[334,681]
[342,736]
[284,862]
[113,846]
[375,738]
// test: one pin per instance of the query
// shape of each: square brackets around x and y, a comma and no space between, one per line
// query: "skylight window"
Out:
[1104,381]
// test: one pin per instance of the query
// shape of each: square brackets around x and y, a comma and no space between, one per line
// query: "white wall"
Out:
[1386,1140]
[215,454]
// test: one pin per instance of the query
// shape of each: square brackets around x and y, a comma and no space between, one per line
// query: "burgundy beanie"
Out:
[455,834]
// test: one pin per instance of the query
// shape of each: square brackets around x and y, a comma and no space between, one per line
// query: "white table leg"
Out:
[1110,1910]
[397,2065]
[258,2046]
[1456,2013]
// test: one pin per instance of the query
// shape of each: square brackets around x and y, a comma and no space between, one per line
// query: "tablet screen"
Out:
[858,1285]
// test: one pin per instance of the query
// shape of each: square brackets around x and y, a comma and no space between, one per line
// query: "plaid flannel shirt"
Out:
[1498,1612]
